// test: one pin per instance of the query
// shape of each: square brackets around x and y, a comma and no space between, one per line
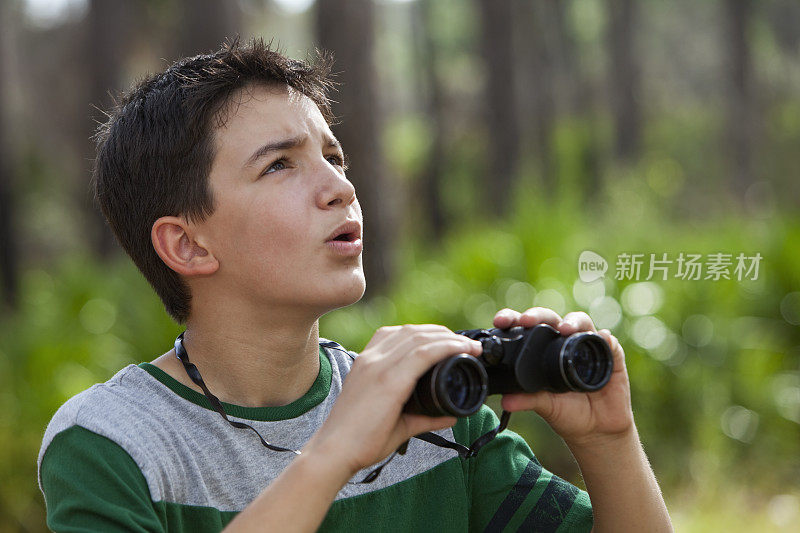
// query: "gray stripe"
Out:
[190,455]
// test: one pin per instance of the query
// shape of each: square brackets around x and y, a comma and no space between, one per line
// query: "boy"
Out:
[222,180]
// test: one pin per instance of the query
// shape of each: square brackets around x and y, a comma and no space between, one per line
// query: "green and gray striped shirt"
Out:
[143,452]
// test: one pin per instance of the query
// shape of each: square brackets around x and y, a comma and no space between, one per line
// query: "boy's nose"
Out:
[335,189]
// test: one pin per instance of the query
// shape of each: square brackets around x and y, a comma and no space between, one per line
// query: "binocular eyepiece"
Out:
[513,360]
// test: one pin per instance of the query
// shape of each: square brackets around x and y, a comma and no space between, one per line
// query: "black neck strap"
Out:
[432,438]
[194,375]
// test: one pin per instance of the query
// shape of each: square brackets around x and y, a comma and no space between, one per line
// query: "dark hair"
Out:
[155,152]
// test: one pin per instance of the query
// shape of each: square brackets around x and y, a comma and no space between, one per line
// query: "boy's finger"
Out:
[404,332]
[416,424]
[541,402]
[417,339]
[539,315]
[506,318]
[616,349]
[419,360]
[574,322]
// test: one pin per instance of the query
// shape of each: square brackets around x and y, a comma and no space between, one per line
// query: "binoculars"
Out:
[513,360]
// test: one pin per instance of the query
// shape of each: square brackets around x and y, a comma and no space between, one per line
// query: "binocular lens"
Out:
[513,360]
[453,387]
[460,386]
[586,362]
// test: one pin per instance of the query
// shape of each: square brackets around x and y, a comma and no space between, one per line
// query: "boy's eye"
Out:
[336,160]
[280,164]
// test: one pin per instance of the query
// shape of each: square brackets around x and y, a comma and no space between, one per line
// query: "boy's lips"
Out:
[349,231]
[348,248]
[346,239]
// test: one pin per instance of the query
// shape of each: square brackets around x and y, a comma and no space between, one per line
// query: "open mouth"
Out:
[350,231]
[346,237]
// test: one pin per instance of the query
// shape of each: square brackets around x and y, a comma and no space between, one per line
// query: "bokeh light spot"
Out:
[739,423]
[98,316]
[586,293]
[698,330]
[605,312]
[790,308]
[644,298]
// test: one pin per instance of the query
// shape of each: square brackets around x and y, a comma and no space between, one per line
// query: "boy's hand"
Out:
[366,423]
[580,418]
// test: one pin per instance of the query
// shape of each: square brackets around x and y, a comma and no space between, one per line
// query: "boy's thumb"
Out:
[417,424]
[541,402]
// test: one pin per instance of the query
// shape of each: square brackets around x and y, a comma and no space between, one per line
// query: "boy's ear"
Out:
[174,243]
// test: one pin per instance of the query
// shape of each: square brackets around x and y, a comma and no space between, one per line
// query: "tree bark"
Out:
[741,125]
[106,50]
[580,100]
[203,25]
[500,109]
[783,17]
[538,42]
[624,78]
[9,260]
[346,28]
[431,178]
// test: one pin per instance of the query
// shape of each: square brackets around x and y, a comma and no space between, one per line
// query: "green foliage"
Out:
[717,400]
[729,389]
[78,324]
[714,365]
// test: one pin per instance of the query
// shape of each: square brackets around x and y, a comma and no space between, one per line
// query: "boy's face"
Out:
[280,194]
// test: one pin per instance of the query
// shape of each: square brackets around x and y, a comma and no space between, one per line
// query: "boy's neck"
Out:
[249,364]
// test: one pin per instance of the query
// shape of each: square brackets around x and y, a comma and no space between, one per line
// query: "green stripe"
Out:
[515,498]
[580,516]
[432,501]
[193,518]
[554,505]
[530,502]
[552,508]
[92,484]
[319,391]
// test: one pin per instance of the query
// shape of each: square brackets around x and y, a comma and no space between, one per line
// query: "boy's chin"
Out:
[354,292]
[347,294]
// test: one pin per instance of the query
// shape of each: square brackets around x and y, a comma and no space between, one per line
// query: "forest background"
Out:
[492,142]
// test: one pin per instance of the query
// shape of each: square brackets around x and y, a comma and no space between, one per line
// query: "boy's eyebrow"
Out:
[333,142]
[286,144]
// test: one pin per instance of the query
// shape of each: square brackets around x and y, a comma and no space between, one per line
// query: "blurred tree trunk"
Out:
[537,42]
[112,26]
[9,260]
[203,25]
[580,100]
[107,35]
[431,87]
[346,28]
[740,130]
[783,17]
[623,77]
[500,107]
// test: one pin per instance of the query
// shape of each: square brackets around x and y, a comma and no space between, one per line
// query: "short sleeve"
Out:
[509,489]
[91,484]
